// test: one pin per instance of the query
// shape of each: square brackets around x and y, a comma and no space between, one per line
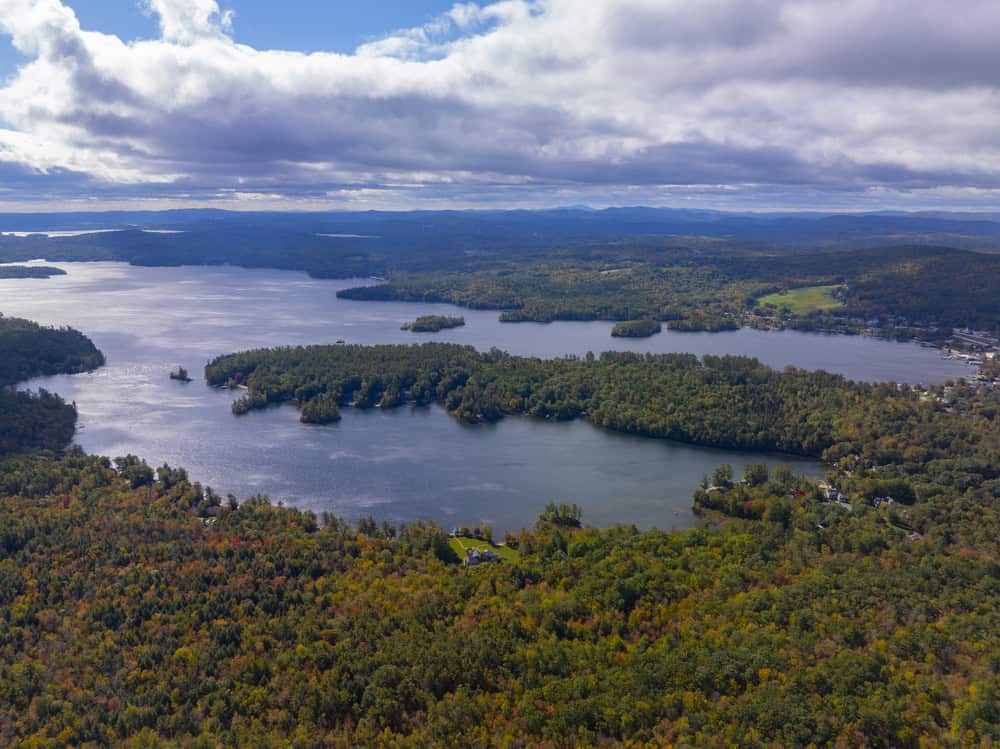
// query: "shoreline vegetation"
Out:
[903,292]
[433,323]
[704,324]
[855,612]
[42,420]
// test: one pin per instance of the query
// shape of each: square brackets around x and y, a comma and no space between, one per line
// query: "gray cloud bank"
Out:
[815,102]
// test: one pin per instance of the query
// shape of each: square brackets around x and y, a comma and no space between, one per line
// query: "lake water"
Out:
[401,464]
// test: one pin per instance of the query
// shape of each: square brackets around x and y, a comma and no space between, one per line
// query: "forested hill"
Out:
[42,420]
[126,620]
[694,282]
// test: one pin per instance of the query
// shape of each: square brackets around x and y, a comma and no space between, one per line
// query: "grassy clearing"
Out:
[805,300]
[459,545]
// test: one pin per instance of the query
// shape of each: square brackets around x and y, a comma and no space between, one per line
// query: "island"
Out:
[433,323]
[636,329]
[30,271]
[181,375]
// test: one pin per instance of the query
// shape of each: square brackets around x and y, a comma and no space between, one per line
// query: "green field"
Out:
[805,300]
[459,545]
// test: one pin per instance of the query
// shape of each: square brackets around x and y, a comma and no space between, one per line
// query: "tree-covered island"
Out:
[433,323]
[636,329]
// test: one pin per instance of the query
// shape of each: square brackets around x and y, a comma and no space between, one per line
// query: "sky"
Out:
[302,25]
[311,104]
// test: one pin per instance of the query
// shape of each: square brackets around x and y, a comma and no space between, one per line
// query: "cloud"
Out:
[187,21]
[517,100]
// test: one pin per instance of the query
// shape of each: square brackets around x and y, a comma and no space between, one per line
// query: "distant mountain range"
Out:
[528,227]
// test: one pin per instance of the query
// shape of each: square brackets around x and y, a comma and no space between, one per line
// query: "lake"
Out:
[402,464]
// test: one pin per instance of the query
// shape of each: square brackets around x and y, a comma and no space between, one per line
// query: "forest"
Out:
[138,607]
[712,288]
[39,420]
[32,350]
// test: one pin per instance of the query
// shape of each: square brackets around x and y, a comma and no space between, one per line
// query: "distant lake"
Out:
[53,233]
[401,464]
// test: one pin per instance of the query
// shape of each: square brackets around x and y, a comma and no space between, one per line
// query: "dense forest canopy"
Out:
[433,323]
[636,329]
[125,615]
[31,350]
[42,420]
[34,421]
[710,289]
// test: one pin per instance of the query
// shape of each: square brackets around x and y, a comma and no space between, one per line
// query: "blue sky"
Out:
[730,104]
[304,25]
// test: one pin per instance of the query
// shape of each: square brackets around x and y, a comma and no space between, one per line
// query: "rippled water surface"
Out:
[401,464]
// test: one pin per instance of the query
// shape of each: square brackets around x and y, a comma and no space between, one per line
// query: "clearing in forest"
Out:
[805,300]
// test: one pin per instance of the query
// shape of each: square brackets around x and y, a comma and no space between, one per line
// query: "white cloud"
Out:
[601,98]
[187,21]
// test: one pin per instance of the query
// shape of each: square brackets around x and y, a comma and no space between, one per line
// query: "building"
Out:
[480,556]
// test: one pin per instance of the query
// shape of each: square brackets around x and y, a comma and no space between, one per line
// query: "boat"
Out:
[181,375]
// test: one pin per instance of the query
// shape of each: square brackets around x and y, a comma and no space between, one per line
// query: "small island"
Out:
[30,271]
[433,323]
[636,329]
[181,375]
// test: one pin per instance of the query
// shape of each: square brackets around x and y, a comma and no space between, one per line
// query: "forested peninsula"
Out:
[32,350]
[880,439]
[39,420]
